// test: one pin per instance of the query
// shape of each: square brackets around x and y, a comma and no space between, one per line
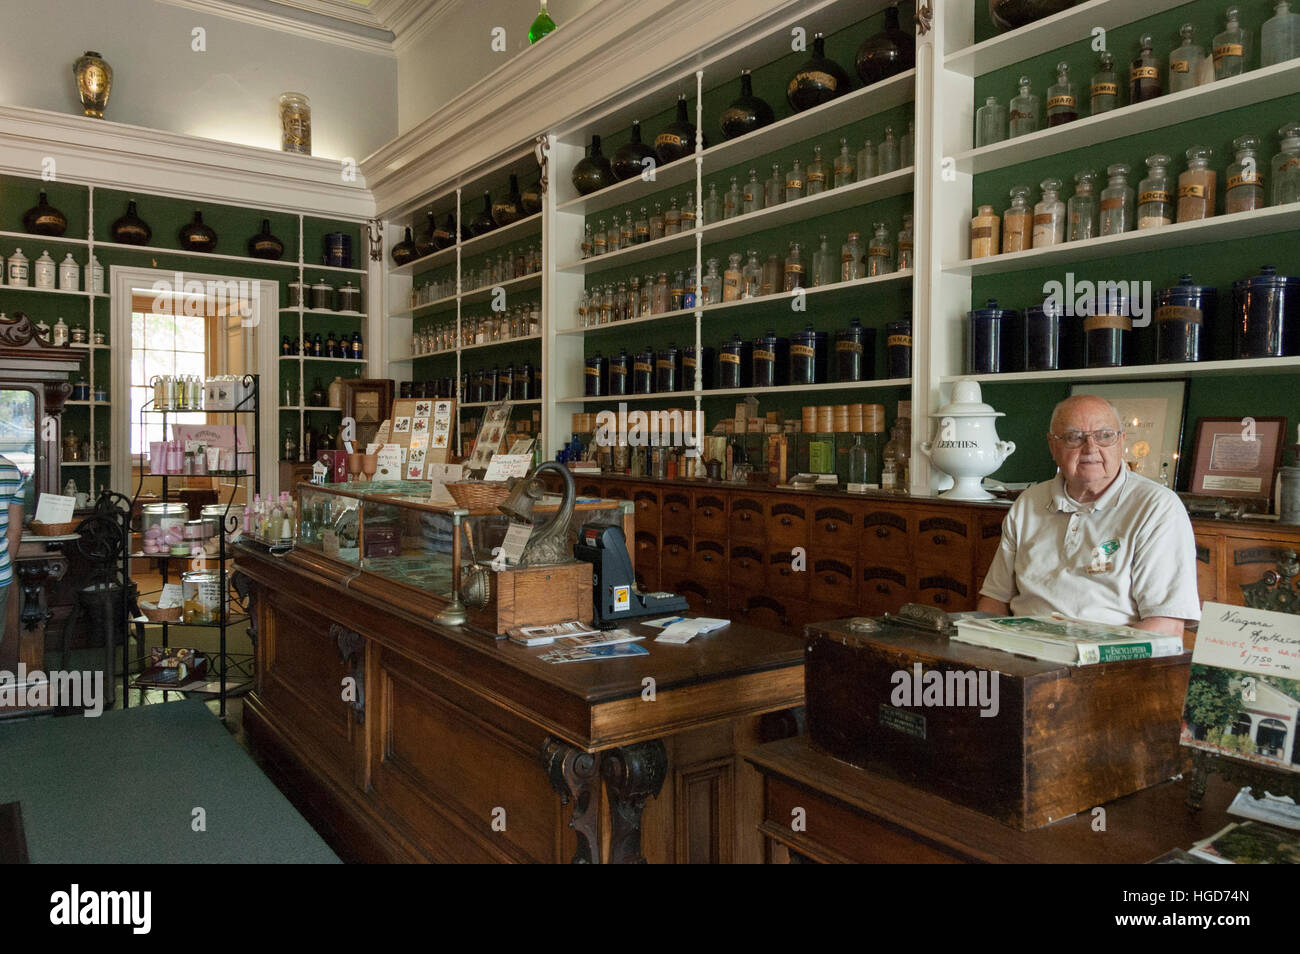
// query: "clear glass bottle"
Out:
[1049,215]
[754,196]
[990,123]
[658,224]
[752,275]
[907,146]
[734,201]
[825,269]
[1245,179]
[1155,204]
[984,228]
[1103,93]
[888,157]
[857,461]
[844,165]
[773,275]
[1284,170]
[851,264]
[672,218]
[880,253]
[712,210]
[733,279]
[677,292]
[905,243]
[775,190]
[794,274]
[648,285]
[1280,36]
[867,167]
[600,244]
[1185,61]
[815,174]
[588,243]
[659,295]
[1062,98]
[711,284]
[691,291]
[614,236]
[1081,210]
[794,183]
[618,311]
[1196,186]
[1144,73]
[641,228]
[1116,201]
[1024,113]
[634,297]
[689,220]
[627,233]
[1018,221]
[1231,47]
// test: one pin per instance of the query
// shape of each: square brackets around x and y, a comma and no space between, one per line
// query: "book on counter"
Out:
[1060,639]
[547,634]
[1250,843]
[567,654]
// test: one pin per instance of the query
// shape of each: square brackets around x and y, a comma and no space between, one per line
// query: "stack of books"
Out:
[1070,641]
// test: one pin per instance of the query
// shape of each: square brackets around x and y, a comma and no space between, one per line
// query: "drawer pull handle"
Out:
[785,521]
[708,511]
[708,558]
[941,598]
[832,527]
[785,571]
[939,540]
[882,532]
[882,588]
[830,580]
[744,515]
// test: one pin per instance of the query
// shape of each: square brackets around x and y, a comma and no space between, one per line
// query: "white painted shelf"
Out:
[485,292]
[735,392]
[491,403]
[1233,368]
[37,239]
[52,291]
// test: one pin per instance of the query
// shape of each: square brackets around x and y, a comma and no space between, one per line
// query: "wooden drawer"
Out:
[883,589]
[784,579]
[943,539]
[745,567]
[884,537]
[835,529]
[1208,559]
[768,612]
[675,557]
[588,489]
[787,522]
[646,560]
[704,597]
[832,579]
[710,516]
[617,490]
[947,592]
[746,520]
[675,513]
[1247,562]
[709,560]
[647,509]
[988,539]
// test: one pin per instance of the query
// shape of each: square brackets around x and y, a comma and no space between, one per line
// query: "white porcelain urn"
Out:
[966,444]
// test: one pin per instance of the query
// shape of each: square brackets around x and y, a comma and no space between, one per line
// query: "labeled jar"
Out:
[1117,212]
[898,349]
[809,357]
[1245,185]
[201,596]
[1182,316]
[1049,215]
[736,364]
[1196,186]
[855,353]
[1018,222]
[620,374]
[1108,336]
[1155,203]
[1043,331]
[705,361]
[1266,315]
[322,296]
[990,336]
[668,369]
[771,361]
[985,230]
[595,371]
[524,388]
[643,372]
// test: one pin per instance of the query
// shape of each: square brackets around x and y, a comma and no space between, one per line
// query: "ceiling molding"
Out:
[411,19]
[305,18]
[125,157]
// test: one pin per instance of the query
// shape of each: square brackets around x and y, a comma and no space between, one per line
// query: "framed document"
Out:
[1152,415]
[1237,456]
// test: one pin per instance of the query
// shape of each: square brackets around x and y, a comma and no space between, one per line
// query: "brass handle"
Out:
[832,527]
[785,571]
[785,521]
[882,588]
[939,539]
[881,532]
[744,515]
[707,557]
[708,511]
[941,597]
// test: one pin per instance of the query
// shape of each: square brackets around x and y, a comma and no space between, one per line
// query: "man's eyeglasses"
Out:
[1105,437]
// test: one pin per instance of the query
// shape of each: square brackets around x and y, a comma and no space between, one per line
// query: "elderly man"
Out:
[1097,542]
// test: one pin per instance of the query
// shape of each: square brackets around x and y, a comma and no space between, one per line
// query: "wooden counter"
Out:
[817,808]
[412,741]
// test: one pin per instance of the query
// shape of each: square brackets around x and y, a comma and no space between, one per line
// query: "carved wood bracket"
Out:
[632,774]
[352,651]
[574,775]
[243,588]
[924,18]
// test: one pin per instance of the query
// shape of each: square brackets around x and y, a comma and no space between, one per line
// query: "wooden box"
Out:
[1064,739]
[532,596]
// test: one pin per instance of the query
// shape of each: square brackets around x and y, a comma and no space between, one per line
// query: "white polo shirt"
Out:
[1126,556]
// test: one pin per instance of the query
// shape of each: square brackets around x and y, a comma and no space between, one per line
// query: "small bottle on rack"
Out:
[755,196]
[711,284]
[775,188]
[793,268]
[1155,205]
[1116,201]
[1062,98]
[627,232]
[990,123]
[1024,111]
[1196,186]
[733,280]
[658,225]
[844,165]
[1280,36]
[880,253]
[907,146]
[867,162]
[1245,182]
[600,243]
[1231,47]
[851,258]
[1144,74]
[677,292]
[712,210]
[753,276]
[905,243]
[773,275]
[984,228]
[825,270]
[587,241]
[1285,166]
[888,158]
[689,221]
[641,230]
[815,175]
[1185,61]
[672,218]
[734,201]
[1081,210]
[1103,93]
[614,236]
[1049,215]
[794,183]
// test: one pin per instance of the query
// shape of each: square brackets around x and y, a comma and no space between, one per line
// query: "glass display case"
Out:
[399,541]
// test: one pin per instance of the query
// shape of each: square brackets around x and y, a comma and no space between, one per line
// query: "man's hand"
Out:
[989,605]
[1161,624]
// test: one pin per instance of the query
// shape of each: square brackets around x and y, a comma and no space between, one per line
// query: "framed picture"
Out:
[1237,457]
[1152,414]
[490,436]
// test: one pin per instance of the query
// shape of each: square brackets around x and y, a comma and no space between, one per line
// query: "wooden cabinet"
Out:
[710,515]
[675,513]
[747,519]
[746,565]
[883,589]
[787,522]
[709,560]
[835,529]
[885,535]
[942,538]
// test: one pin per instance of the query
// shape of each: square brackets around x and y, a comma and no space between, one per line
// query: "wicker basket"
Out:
[160,614]
[478,495]
[53,529]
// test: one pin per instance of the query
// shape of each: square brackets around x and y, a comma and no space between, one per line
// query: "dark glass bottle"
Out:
[404,251]
[332,347]
[197,237]
[264,244]
[130,229]
[318,397]
[443,236]
[747,113]
[531,198]
[593,171]
[483,223]
[358,348]
[818,81]
[424,244]
[887,53]
[511,208]
[629,159]
[318,351]
[678,138]
[1144,74]
[44,219]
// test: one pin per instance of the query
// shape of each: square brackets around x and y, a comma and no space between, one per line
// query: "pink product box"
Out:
[337,462]
[165,457]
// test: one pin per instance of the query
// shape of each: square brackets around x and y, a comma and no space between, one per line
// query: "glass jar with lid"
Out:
[201,596]
[1285,167]
[1081,210]
[1196,186]
[162,524]
[1116,201]
[1049,215]
[1245,181]
[1018,221]
[1155,205]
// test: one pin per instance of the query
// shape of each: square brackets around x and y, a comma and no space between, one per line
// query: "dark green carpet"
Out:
[122,789]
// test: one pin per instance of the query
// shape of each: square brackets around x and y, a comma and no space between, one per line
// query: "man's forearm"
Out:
[14,534]
[1161,624]
[988,604]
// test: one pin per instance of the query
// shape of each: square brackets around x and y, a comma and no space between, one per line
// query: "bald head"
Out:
[1082,404]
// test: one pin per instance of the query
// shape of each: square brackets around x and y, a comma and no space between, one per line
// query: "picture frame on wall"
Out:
[1152,413]
[1237,457]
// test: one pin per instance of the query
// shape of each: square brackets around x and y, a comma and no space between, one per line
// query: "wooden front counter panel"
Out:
[412,741]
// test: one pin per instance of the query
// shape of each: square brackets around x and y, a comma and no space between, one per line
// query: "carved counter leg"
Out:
[632,774]
[573,773]
[1200,780]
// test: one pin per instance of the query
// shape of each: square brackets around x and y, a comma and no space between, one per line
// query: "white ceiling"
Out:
[373,24]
